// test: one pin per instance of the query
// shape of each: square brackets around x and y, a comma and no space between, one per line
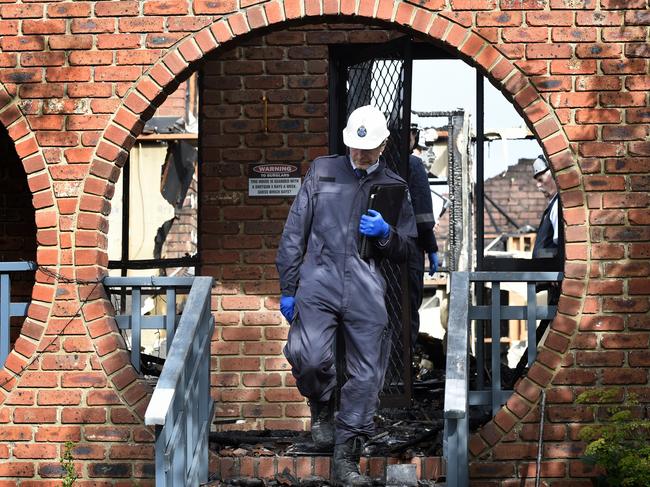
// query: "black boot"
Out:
[346,464]
[322,424]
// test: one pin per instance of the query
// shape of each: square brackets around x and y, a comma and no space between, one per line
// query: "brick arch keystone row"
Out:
[161,79]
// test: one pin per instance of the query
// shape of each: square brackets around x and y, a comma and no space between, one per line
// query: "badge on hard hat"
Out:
[361,131]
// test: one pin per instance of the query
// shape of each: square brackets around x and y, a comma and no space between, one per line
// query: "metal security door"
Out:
[380,75]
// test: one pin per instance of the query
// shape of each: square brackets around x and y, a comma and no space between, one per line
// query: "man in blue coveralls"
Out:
[325,285]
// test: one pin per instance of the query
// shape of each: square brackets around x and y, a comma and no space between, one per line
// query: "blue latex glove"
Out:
[373,225]
[433,263]
[287,304]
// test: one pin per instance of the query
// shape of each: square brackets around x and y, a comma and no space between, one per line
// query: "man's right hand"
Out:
[373,225]
[287,304]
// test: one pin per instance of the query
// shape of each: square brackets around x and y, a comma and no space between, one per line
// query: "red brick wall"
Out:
[78,79]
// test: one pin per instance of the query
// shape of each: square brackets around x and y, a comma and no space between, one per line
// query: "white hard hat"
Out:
[366,128]
[430,135]
[540,165]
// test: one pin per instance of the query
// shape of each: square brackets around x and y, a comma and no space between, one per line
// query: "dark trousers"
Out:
[310,351]
[416,291]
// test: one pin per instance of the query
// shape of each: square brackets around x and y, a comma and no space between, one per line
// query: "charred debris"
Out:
[403,433]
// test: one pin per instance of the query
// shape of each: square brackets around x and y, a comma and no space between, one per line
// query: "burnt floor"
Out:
[410,435]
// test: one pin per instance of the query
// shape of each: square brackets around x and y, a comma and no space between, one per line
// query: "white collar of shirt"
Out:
[372,168]
[553,215]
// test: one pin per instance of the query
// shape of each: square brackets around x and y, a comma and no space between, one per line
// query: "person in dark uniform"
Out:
[549,241]
[326,285]
[418,183]
[549,244]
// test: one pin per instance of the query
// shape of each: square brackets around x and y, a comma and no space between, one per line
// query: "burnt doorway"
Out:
[380,75]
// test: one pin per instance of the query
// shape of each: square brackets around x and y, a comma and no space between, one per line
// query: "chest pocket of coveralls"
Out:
[328,207]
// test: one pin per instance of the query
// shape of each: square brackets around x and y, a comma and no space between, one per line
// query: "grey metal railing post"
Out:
[204,406]
[479,326]
[136,327]
[7,308]
[456,384]
[495,366]
[170,322]
[531,320]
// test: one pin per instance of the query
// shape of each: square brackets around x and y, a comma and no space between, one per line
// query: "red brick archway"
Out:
[50,246]
[153,87]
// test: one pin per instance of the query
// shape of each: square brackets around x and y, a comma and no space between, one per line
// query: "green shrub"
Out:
[620,444]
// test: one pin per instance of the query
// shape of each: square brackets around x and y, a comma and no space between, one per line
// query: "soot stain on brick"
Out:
[51,470]
[89,24]
[21,77]
[549,84]
[111,469]
[504,17]
[161,40]
[599,183]
[82,450]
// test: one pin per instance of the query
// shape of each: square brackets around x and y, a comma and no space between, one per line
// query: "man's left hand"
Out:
[373,225]
[287,305]
[433,263]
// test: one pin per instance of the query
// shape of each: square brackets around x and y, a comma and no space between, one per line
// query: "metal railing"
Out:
[9,309]
[129,315]
[458,396]
[181,407]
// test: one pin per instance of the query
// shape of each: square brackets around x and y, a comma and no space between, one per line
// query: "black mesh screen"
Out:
[379,82]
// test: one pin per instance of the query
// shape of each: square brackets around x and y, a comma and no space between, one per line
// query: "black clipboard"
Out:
[386,199]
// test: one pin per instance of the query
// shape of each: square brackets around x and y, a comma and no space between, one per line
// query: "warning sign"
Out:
[273,180]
